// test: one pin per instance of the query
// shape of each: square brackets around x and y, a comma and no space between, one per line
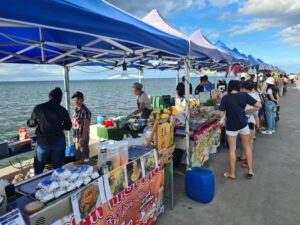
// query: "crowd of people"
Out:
[248,104]
[251,102]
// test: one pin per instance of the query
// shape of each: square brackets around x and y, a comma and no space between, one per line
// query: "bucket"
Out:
[100,119]
[200,185]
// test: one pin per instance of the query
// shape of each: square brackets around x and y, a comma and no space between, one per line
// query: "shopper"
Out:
[280,85]
[180,89]
[285,84]
[209,86]
[144,107]
[202,86]
[234,105]
[50,120]
[252,114]
[81,121]
[270,104]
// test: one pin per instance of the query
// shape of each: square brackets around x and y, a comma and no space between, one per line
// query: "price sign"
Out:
[12,218]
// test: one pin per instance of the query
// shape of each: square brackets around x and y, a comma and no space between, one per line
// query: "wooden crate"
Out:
[164,136]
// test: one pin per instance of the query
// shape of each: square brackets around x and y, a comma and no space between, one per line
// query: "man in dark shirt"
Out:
[201,87]
[81,121]
[50,120]
[180,89]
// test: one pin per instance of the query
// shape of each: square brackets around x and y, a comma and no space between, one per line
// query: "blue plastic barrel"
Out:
[200,185]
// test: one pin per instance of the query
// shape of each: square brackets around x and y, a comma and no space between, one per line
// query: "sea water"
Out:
[109,97]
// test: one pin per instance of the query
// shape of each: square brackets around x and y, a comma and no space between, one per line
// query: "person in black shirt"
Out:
[50,120]
[202,86]
[234,105]
[180,89]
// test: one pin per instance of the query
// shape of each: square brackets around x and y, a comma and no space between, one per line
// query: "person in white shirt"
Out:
[251,113]
[270,104]
[143,102]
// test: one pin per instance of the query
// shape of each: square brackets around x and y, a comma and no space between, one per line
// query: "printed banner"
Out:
[140,203]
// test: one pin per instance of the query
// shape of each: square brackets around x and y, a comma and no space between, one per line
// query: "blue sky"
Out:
[268,29]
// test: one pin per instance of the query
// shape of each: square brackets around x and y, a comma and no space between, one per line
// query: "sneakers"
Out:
[273,131]
[267,132]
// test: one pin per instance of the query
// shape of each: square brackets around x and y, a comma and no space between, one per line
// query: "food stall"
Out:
[123,183]
[204,129]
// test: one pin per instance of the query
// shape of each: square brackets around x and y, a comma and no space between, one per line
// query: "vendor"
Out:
[81,121]
[143,102]
[202,86]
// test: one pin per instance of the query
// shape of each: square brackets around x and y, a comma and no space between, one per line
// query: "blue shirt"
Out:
[234,105]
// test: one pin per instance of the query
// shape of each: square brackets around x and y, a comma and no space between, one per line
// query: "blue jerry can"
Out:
[200,185]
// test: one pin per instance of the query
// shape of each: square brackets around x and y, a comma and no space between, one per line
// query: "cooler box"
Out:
[200,184]
[112,133]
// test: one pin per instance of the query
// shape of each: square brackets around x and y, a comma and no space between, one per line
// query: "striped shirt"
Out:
[78,121]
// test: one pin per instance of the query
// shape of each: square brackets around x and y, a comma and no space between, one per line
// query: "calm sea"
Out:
[110,97]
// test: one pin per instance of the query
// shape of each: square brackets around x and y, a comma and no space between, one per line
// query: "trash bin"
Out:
[200,185]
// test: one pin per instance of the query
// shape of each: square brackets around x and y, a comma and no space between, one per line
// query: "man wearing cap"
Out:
[143,102]
[81,121]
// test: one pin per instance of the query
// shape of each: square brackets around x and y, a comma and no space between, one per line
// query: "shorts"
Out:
[244,131]
[84,152]
[251,126]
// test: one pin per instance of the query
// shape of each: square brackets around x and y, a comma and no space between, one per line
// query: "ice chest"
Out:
[200,184]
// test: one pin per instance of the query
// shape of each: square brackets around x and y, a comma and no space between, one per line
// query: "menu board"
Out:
[133,195]
[12,218]
[88,199]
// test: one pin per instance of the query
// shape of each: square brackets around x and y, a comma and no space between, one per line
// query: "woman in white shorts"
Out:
[234,105]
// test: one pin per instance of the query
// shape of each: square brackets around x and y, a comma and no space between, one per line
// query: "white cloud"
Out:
[291,35]
[222,3]
[165,7]
[269,14]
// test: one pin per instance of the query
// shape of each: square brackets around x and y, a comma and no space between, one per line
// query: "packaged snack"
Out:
[86,170]
[71,187]
[87,180]
[75,173]
[78,182]
[59,192]
[43,195]
[95,175]
[61,173]
[48,185]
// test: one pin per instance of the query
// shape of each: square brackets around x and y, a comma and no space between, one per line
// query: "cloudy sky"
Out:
[268,29]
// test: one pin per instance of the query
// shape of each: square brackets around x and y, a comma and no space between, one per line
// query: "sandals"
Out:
[245,165]
[239,159]
[250,176]
[226,175]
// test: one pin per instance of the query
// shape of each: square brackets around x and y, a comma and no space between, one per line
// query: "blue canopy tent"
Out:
[236,57]
[241,56]
[79,32]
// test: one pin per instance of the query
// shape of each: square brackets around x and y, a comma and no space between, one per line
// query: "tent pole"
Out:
[177,77]
[67,97]
[187,113]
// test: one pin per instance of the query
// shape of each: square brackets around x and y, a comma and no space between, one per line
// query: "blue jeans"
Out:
[269,111]
[54,152]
